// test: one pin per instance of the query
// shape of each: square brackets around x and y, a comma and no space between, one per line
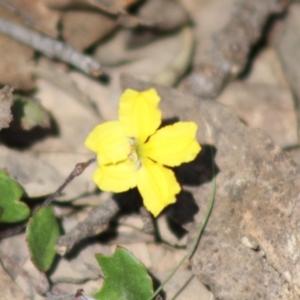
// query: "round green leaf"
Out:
[11,209]
[125,277]
[42,233]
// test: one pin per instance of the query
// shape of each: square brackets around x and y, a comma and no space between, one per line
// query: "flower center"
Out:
[134,153]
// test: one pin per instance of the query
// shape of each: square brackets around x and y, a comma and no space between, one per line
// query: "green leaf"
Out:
[11,209]
[125,277]
[42,233]
[29,113]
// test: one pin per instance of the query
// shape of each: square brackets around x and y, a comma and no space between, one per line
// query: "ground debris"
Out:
[227,53]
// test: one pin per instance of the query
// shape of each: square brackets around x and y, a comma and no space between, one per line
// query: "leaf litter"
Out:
[251,167]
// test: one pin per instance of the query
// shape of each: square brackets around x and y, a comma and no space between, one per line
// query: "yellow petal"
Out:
[173,145]
[116,177]
[157,185]
[109,141]
[139,114]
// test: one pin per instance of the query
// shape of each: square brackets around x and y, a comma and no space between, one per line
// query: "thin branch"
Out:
[75,280]
[96,222]
[79,168]
[76,295]
[183,287]
[228,52]
[50,47]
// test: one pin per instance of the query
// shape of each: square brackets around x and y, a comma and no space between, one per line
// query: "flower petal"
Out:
[109,141]
[173,145]
[139,114]
[157,185]
[116,177]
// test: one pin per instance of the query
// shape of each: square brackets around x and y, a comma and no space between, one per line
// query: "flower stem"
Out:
[199,233]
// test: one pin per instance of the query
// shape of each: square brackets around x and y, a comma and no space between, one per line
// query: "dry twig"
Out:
[97,221]
[228,52]
[50,47]
[76,295]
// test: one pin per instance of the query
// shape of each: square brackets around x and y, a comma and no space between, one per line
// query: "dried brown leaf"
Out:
[270,108]
[164,14]
[81,29]
[37,176]
[15,67]
[112,6]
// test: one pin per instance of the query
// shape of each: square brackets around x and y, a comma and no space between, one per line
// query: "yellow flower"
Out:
[133,152]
